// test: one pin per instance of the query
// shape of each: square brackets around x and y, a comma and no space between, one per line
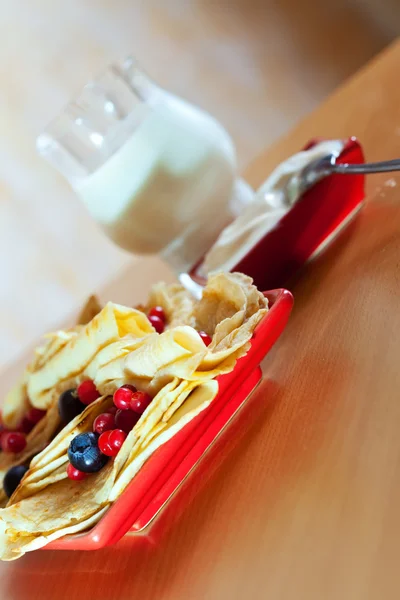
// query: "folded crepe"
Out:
[17,402]
[119,347]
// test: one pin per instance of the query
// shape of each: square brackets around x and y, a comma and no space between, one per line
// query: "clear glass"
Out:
[156,172]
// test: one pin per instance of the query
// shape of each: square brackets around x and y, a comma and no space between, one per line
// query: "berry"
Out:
[205,337]
[12,479]
[126,420]
[84,453]
[112,410]
[75,474]
[103,444]
[35,415]
[157,323]
[158,311]
[26,425]
[3,431]
[87,392]
[123,396]
[13,441]
[110,442]
[139,402]
[69,405]
[103,422]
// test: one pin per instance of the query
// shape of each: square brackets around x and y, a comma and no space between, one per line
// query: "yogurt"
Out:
[272,201]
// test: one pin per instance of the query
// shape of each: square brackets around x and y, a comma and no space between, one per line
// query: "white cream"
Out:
[168,188]
[272,201]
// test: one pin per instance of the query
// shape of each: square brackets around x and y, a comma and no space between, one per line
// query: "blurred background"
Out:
[258,66]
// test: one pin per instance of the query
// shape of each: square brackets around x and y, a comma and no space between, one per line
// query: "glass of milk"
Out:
[156,172]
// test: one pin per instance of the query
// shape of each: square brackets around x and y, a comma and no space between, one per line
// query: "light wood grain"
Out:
[307,507]
[257,65]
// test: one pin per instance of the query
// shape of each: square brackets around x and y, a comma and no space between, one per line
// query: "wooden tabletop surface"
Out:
[307,506]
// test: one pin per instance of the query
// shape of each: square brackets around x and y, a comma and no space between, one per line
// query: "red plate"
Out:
[169,479]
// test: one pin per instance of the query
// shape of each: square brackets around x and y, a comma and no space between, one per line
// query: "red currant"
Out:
[158,311]
[35,415]
[112,410]
[75,474]
[103,444]
[116,439]
[126,420]
[3,431]
[205,337]
[140,401]
[103,422]
[110,442]
[87,392]
[123,396]
[13,441]
[157,323]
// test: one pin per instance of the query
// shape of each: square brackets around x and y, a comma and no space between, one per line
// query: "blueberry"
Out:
[84,453]
[69,405]
[12,479]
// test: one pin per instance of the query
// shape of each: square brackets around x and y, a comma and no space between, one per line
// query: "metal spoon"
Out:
[322,167]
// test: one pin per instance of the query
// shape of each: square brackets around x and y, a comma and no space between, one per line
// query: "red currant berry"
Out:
[123,396]
[103,422]
[158,311]
[75,474]
[115,440]
[103,444]
[87,392]
[112,410]
[157,323]
[126,420]
[3,431]
[110,442]
[205,337]
[140,401]
[13,441]
[35,415]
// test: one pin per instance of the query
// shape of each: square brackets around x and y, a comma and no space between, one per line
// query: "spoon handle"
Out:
[385,166]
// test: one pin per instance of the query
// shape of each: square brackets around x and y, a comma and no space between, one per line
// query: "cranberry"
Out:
[157,323]
[13,441]
[87,392]
[140,401]
[75,474]
[110,442]
[103,422]
[123,396]
[35,415]
[158,311]
[126,420]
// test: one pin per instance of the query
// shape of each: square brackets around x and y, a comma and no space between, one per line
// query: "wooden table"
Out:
[308,506]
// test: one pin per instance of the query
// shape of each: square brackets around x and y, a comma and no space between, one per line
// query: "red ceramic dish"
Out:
[320,215]
[175,472]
